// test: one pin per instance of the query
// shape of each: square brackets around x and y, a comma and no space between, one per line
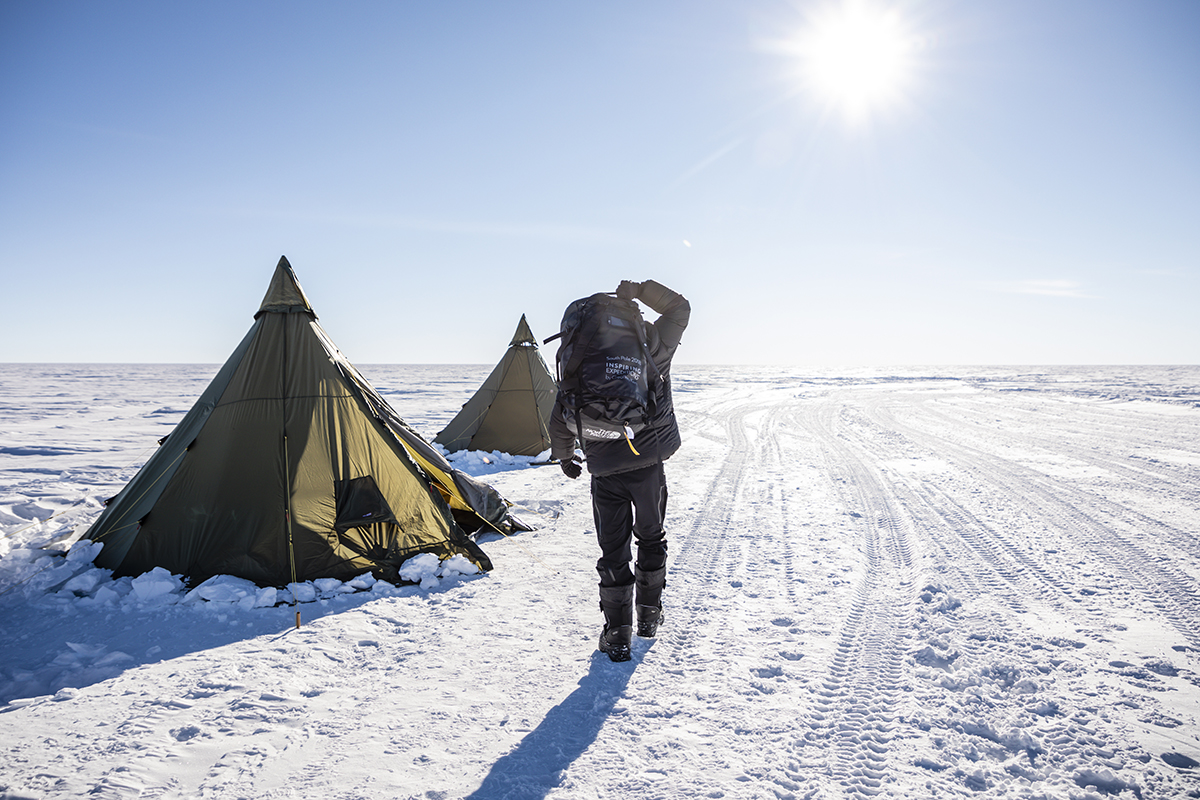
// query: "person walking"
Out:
[629,485]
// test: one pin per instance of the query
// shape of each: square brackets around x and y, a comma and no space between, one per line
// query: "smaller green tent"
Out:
[511,410]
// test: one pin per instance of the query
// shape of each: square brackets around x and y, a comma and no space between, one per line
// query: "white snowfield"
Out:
[900,583]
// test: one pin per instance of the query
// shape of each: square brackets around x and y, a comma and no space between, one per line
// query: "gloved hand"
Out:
[629,290]
[571,467]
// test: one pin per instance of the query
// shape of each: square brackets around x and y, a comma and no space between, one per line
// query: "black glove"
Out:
[571,467]
[629,290]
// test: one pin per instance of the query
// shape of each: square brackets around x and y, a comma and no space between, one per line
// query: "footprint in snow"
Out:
[185,733]
[1180,761]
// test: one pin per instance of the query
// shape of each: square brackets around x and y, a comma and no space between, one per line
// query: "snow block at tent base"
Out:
[71,579]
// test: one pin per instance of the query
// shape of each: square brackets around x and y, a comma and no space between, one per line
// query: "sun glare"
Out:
[857,57]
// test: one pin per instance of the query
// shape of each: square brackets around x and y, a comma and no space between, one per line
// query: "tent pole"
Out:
[287,513]
[287,472]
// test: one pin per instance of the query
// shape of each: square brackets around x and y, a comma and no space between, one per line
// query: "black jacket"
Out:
[660,439]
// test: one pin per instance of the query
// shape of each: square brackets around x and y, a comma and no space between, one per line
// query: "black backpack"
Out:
[606,378]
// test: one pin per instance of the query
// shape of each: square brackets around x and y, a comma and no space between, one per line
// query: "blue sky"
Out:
[1028,194]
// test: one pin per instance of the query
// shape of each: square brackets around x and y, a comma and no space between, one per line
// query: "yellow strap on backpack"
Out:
[629,440]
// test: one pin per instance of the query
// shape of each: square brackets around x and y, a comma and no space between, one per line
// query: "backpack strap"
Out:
[653,374]
[587,332]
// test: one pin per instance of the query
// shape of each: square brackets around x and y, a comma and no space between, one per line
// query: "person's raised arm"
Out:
[673,308]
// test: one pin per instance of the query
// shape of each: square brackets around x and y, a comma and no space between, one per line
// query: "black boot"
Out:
[649,584]
[614,642]
[617,604]
[648,619]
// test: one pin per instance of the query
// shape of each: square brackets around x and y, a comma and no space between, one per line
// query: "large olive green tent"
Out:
[511,410]
[292,467]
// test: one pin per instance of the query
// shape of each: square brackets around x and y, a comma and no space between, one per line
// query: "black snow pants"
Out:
[627,507]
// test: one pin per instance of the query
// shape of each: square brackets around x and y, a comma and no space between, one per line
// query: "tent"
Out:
[291,467]
[511,410]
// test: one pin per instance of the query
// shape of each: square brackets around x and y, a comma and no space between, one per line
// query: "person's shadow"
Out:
[534,768]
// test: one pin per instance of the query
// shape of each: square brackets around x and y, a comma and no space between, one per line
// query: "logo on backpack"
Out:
[606,378]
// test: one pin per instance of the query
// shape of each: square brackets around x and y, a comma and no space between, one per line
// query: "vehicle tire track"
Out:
[699,554]
[1148,475]
[1116,539]
[714,579]
[987,646]
[856,707]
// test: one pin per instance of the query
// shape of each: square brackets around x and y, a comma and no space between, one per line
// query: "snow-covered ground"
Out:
[902,583]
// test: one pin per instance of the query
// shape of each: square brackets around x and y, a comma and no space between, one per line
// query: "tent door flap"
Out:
[360,503]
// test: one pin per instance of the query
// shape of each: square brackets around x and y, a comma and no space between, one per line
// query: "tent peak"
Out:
[523,334]
[284,295]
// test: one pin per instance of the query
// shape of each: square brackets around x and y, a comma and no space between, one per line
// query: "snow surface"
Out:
[897,583]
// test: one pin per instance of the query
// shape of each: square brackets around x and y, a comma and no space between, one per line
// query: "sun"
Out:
[857,57]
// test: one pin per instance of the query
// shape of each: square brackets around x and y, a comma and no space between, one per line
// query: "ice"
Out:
[422,569]
[224,589]
[157,586]
[457,565]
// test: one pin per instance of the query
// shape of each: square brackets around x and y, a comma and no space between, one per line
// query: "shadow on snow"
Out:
[536,765]
[44,648]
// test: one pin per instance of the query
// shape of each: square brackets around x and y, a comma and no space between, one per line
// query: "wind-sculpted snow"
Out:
[895,583]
